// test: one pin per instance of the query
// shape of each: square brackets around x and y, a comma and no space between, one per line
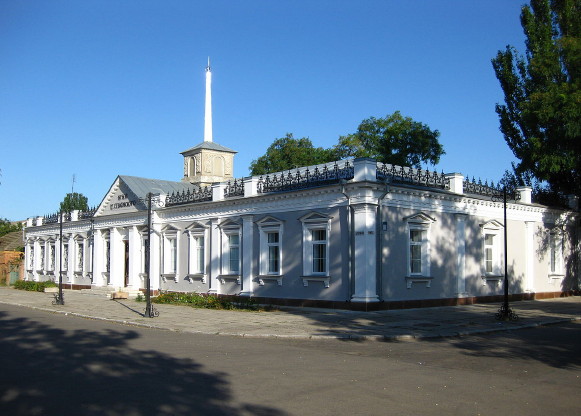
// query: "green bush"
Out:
[33,286]
[197,300]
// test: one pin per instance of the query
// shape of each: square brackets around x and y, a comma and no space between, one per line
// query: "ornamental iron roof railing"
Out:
[303,178]
[493,191]
[88,214]
[51,219]
[197,195]
[407,175]
[234,189]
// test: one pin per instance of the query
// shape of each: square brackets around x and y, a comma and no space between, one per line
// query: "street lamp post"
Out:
[59,298]
[505,313]
[150,311]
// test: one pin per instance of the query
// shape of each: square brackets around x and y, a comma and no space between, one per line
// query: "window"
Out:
[555,253]
[233,253]
[41,260]
[270,260]
[316,248]
[492,249]
[107,256]
[65,265]
[418,249]
[197,263]
[80,255]
[51,256]
[31,257]
[170,252]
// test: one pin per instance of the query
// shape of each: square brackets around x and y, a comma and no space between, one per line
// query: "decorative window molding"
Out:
[418,249]
[556,253]
[40,266]
[231,249]
[197,251]
[170,250]
[492,237]
[270,260]
[316,248]
[51,256]
[79,254]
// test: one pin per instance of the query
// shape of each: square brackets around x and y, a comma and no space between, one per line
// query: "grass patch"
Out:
[197,300]
[33,286]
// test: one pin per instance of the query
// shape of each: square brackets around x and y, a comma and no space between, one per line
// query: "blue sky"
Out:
[99,88]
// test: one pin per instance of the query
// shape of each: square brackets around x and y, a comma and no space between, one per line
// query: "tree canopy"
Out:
[541,117]
[394,139]
[74,201]
[8,227]
[288,153]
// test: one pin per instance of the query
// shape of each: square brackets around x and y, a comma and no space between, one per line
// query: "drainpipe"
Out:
[351,241]
[379,238]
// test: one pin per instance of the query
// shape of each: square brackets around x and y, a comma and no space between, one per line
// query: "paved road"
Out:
[52,364]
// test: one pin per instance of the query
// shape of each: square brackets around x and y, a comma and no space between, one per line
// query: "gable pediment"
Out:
[421,218]
[492,225]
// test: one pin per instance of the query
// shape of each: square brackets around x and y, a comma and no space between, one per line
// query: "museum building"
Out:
[353,233]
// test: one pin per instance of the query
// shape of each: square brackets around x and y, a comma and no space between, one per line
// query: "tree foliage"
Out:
[8,227]
[74,201]
[541,117]
[288,153]
[393,139]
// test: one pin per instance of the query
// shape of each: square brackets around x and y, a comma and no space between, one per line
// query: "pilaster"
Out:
[215,255]
[461,255]
[247,254]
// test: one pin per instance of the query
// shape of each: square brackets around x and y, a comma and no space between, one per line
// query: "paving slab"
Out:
[307,323]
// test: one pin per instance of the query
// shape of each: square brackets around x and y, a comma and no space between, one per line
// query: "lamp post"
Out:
[150,311]
[59,298]
[505,313]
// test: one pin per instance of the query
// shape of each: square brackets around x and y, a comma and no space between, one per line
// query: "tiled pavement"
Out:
[307,323]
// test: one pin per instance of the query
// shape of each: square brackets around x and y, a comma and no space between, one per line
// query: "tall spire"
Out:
[208,114]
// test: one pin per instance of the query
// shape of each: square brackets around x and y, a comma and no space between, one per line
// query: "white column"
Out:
[247,255]
[365,253]
[529,256]
[98,259]
[134,257]
[36,260]
[70,259]
[117,258]
[461,255]
[215,256]
[155,276]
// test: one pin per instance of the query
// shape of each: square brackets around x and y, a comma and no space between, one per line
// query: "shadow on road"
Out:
[50,371]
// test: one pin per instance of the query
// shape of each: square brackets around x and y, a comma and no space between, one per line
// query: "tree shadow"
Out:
[51,371]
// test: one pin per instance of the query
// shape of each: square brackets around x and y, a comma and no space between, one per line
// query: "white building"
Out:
[352,233]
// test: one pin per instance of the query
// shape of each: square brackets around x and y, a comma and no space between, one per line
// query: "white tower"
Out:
[208,114]
[208,162]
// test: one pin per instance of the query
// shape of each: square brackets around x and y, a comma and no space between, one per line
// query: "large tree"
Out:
[393,139]
[74,201]
[541,117]
[288,153]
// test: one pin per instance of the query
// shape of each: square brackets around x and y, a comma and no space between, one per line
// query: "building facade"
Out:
[352,233]
[344,233]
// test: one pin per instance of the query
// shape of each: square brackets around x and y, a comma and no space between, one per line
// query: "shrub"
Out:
[33,286]
[197,300]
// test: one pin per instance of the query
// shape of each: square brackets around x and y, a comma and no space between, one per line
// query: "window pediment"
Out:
[420,218]
[197,227]
[492,225]
[269,222]
[314,217]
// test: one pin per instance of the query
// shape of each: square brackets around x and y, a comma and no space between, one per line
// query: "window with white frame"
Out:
[65,265]
[197,264]
[41,264]
[51,256]
[80,255]
[107,252]
[555,253]
[230,248]
[170,251]
[31,257]
[492,235]
[316,230]
[270,260]
[418,249]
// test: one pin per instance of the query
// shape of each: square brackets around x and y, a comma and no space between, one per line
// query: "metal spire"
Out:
[208,114]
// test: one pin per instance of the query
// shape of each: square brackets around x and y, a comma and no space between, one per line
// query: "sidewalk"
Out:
[307,323]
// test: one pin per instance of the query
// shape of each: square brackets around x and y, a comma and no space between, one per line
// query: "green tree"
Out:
[541,117]
[394,139]
[74,201]
[288,153]
[8,227]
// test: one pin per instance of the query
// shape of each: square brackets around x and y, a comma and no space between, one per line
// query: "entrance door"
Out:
[126,243]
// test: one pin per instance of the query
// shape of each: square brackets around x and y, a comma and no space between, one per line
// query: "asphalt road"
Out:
[62,365]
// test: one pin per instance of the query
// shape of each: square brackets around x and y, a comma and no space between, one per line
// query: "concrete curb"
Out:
[339,336]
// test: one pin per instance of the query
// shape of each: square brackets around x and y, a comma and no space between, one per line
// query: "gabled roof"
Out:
[208,146]
[134,192]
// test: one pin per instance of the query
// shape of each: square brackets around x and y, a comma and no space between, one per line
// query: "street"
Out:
[54,364]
